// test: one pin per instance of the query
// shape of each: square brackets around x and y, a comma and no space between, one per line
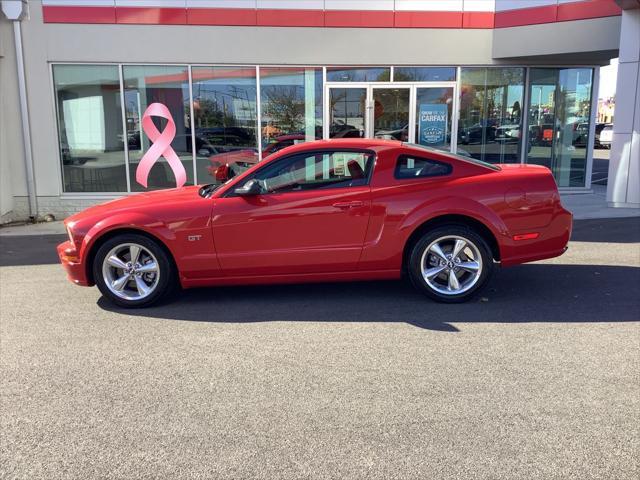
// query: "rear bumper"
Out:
[552,242]
[70,260]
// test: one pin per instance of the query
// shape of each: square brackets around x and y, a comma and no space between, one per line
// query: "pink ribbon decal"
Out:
[161,146]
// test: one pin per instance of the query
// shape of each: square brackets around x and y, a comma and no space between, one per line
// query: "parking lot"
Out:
[537,378]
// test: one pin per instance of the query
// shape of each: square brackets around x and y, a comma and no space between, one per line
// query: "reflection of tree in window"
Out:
[284,109]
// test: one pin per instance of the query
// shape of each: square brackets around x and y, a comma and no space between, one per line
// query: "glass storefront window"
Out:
[559,121]
[225,118]
[424,74]
[90,128]
[490,124]
[391,113]
[434,113]
[347,111]
[351,74]
[227,129]
[290,106]
[169,85]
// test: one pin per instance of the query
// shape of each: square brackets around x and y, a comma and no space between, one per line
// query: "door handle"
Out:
[346,205]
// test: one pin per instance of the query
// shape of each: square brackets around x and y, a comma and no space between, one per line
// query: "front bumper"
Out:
[70,260]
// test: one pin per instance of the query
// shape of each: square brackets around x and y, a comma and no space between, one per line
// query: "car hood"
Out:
[137,202]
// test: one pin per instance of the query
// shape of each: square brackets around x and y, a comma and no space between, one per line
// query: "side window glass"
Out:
[316,171]
[409,166]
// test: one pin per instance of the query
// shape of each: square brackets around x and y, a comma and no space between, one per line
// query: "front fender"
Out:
[131,221]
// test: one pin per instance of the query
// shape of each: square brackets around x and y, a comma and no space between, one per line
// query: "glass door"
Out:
[391,113]
[422,113]
[347,112]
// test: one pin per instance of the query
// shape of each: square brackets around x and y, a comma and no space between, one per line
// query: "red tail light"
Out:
[526,236]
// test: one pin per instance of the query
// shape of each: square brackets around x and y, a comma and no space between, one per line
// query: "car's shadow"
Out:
[529,293]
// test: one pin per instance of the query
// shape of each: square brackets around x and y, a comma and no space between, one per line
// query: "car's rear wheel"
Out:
[133,271]
[450,263]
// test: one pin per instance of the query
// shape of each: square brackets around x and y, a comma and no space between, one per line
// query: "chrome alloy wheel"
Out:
[130,271]
[451,265]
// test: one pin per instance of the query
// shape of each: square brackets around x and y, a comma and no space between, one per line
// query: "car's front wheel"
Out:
[133,271]
[450,263]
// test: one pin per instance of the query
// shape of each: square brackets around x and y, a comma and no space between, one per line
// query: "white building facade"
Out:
[503,81]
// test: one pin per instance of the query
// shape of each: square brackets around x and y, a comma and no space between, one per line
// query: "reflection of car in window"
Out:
[580,134]
[477,134]
[280,142]
[541,135]
[606,136]
[401,134]
[339,129]
[508,134]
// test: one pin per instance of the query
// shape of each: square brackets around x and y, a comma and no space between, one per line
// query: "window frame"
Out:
[396,169]
[308,153]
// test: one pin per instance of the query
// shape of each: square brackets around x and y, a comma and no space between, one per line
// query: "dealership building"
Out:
[503,81]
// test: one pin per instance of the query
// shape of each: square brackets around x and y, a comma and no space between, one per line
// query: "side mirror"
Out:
[252,187]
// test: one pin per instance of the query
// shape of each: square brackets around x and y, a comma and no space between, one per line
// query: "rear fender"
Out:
[455,206]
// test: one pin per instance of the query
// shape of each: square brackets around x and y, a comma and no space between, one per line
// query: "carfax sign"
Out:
[433,124]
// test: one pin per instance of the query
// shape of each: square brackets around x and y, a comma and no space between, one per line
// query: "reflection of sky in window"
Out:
[424,73]
[294,79]
[225,94]
[357,74]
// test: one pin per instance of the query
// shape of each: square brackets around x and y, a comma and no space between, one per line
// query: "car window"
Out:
[411,166]
[315,171]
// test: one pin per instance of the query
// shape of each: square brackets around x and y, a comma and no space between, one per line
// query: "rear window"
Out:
[411,166]
[454,156]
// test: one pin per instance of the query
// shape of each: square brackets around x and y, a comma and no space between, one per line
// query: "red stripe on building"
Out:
[353,18]
[58,14]
[221,16]
[526,16]
[588,9]
[290,18]
[578,10]
[428,19]
[151,16]
[478,20]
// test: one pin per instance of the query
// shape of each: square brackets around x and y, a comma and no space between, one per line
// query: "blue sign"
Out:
[432,126]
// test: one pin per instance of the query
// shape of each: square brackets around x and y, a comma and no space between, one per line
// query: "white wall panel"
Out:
[358,4]
[292,4]
[429,5]
[479,5]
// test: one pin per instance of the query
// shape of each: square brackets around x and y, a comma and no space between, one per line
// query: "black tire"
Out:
[475,282]
[165,283]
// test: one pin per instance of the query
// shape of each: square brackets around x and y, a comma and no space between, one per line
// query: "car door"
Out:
[311,216]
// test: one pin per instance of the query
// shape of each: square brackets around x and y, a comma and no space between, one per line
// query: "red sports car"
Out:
[355,209]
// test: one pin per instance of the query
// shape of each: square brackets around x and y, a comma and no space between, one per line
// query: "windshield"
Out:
[453,155]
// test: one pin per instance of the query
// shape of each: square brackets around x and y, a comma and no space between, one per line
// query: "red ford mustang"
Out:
[333,210]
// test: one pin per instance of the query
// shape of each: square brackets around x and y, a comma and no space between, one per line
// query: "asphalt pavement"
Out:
[536,378]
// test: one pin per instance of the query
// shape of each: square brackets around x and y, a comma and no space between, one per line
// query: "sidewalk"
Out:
[583,206]
[44,228]
[594,205]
